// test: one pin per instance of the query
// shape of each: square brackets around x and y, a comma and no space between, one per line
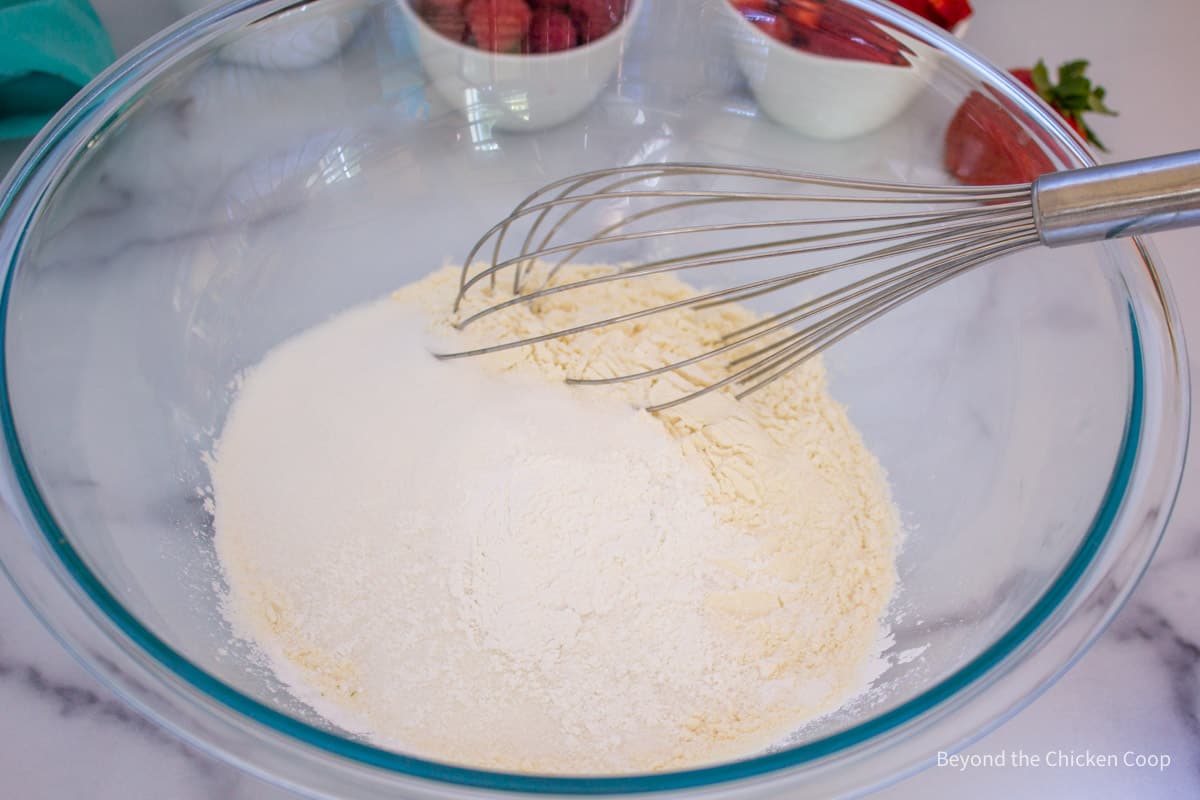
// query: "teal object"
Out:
[49,49]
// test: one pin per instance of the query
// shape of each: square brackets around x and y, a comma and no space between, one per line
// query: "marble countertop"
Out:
[1137,690]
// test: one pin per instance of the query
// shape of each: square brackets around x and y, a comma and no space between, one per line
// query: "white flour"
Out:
[477,564]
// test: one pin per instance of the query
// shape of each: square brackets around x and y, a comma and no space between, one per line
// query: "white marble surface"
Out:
[1138,689]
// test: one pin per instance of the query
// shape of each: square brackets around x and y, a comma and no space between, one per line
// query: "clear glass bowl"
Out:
[198,204]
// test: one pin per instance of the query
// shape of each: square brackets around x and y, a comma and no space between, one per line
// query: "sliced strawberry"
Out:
[551,30]
[949,13]
[833,45]
[755,5]
[451,24]
[444,16]
[773,25]
[944,13]
[803,13]
[840,34]
[498,25]
[596,18]
[922,8]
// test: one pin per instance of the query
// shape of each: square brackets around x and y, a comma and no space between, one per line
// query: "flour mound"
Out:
[470,561]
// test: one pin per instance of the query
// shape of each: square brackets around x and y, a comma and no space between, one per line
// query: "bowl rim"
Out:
[64,579]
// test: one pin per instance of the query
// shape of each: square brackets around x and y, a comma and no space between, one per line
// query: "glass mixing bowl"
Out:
[198,204]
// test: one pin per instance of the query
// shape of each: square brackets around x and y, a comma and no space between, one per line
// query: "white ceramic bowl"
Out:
[518,92]
[825,97]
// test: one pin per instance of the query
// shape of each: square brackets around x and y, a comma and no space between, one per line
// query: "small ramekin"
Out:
[518,92]
[825,97]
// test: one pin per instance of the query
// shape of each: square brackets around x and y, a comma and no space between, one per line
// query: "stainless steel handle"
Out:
[1115,200]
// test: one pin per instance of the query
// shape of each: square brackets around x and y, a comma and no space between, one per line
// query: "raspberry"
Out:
[498,25]
[595,18]
[551,30]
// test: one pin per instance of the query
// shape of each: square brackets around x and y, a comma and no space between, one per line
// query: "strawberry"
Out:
[595,18]
[944,13]
[444,16]
[498,25]
[1072,97]
[986,144]
[948,13]
[922,8]
[551,30]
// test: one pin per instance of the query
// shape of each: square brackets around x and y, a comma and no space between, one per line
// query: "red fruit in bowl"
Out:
[755,5]
[498,25]
[773,25]
[596,18]
[444,16]
[803,13]
[922,8]
[948,13]
[551,30]
[839,34]
[945,13]
[823,27]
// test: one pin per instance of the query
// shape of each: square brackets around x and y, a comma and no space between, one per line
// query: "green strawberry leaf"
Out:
[1041,79]
[1090,136]
[1073,95]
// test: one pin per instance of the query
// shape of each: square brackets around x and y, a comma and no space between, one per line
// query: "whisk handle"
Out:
[1116,200]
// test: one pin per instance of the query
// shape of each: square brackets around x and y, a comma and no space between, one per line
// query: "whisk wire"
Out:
[816,338]
[960,234]
[869,297]
[775,249]
[636,174]
[935,233]
[860,317]
[601,238]
[820,337]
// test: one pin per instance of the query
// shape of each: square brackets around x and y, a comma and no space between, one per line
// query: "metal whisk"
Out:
[914,238]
